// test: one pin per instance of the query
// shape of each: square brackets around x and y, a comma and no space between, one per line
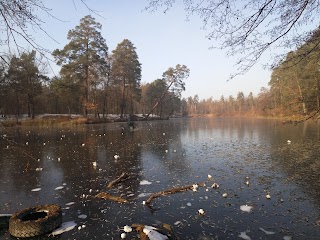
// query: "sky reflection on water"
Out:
[170,154]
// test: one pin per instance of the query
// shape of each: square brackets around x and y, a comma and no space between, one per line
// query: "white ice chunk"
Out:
[65,227]
[267,232]
[145,182]
[246,208]
[244,236]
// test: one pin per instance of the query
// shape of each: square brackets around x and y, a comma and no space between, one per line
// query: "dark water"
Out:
[169,154]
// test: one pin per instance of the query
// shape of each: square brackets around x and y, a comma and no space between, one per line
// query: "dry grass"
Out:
[45,121]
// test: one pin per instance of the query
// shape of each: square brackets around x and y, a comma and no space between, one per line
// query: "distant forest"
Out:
[94,81]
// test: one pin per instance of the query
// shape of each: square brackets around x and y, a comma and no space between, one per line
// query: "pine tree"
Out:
[83,59]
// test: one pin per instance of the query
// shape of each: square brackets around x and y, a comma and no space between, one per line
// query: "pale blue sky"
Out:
[161,41]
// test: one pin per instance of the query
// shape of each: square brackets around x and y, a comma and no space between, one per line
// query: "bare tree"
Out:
[250,27]
[16,18]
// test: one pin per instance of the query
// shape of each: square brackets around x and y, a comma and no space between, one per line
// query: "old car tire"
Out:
[35,221]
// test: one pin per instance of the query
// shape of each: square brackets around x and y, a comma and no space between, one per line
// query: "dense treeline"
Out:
[94,81]
[294,89]
[91,80]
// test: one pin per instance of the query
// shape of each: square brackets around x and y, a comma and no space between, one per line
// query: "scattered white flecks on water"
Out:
[39,169]
[244,236]
[266,232]
[145,182]
[58,188]
[82,216]
[189,204]
[36,190]
[65,227]
[246,208]
[70,203]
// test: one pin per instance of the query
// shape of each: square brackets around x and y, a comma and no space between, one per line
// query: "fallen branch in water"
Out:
[107,196]
[123,177]
[172,191]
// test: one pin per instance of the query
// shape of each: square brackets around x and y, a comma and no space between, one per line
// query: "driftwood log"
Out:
[123,177]
[107,196]
[172,191]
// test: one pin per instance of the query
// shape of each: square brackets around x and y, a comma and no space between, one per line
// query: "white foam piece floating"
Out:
[145,182]
[82,216]
[266,232]
[58,188]
[287,238]
[65,227]
[144,195]
[244,236]
[36,189]
[153,234]
[246,208]
[70,203]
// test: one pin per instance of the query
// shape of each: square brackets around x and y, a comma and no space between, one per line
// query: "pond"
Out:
[268,176]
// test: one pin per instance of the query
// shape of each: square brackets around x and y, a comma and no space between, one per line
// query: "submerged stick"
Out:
[121,178]
[172,191]
[107,196]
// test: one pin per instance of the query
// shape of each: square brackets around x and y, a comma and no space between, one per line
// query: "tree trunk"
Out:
[160,99]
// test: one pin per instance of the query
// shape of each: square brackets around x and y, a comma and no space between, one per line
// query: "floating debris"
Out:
[225,195]
[153,234]
[123,177]
[145,182]
[266,232]
[58,188]
[195,187]
[209,177]
[246,208]
[123,235]
[39,169]
[36,190]
[82,216]
[215,185]
[244,236]
[201,211]
[127,229]
[172,191]
[107,196]
[268,196]
[116,157]
[65,227]
[287,238]
[70,203]
[289,141]
[94,164]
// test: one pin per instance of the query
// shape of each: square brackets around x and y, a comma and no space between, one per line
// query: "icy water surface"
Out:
[269,187]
